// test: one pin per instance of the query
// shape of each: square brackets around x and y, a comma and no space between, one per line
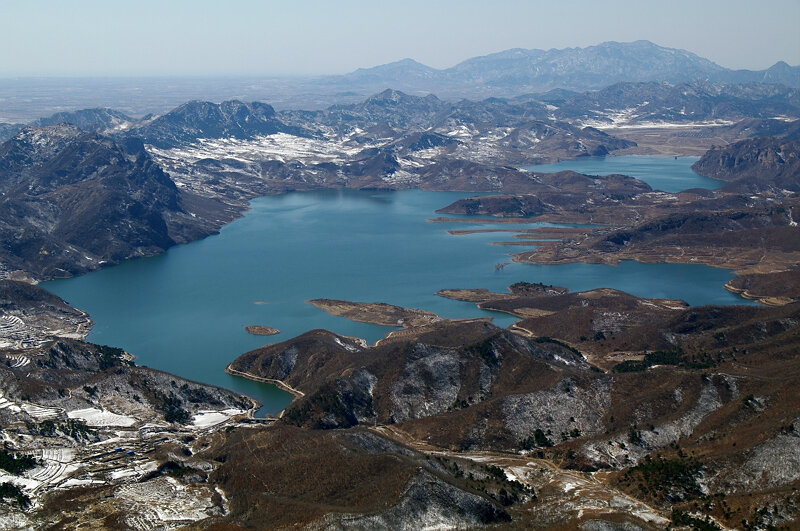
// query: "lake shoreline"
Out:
[277,383]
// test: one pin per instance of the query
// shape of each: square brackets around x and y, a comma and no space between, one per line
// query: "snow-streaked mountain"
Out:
[204,119]
[96,119]
[653,102]
[73,200]
[8,130]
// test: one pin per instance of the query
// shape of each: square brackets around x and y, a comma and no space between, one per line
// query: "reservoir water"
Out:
[661,173]
[185,311]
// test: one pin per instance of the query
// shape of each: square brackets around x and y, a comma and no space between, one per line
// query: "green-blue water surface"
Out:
[661,173]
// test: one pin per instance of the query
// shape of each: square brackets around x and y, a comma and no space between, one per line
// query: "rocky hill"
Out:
[390,141]
[425,371]
[395,140]
[637,103]
[8,130]
[98,120]
[150,445]
[353,479]
[678,380]
[752,128]
[754,165]
[624,103]
[31,316]
[548,193]
[73,200]
[76,414]
[745,239]
[779,287]
[202,119]
[454,423]
[394,108]
[611,326]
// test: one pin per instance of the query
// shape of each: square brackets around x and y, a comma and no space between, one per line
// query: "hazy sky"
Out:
[248,37]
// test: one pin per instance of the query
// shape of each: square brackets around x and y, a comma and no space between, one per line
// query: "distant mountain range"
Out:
[518,71]
[391,111]
[508,73]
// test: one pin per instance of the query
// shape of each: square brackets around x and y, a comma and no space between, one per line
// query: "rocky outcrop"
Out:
[522,206]
[423,372]
[73,201]
[8,130]
[428,502]
[754,165]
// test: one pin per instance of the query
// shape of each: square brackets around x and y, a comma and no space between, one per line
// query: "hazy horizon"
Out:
[277,76]
[245,39]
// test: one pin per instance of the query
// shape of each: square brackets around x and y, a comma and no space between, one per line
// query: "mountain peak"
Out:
[44,140]
[780,65]
[204,119]
[409,62]
[392,97]
[405,69]
[389,95]
[406,63]
[95,119]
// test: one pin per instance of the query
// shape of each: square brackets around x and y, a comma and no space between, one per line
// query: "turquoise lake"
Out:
[185,311]
[661,173]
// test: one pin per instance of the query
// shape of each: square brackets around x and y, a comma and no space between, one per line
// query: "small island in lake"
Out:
[262,330]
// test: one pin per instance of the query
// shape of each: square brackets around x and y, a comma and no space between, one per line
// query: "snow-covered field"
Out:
[40,412]
[96,417]
[166,504]
[280,146]
[208,418]
[619,121]
[11,328]
[6,403]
